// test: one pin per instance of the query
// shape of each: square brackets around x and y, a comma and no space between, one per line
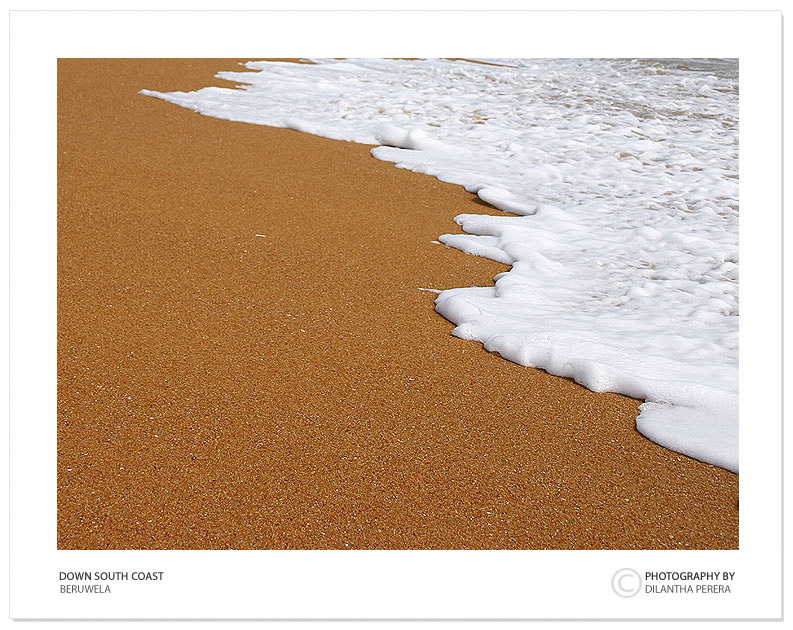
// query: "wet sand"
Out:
[218,389]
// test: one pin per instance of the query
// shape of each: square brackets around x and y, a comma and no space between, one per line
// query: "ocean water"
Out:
[620,177]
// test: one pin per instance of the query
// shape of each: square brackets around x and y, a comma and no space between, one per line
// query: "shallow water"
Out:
[622,176]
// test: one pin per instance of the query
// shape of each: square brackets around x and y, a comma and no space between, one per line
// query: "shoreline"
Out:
[221,389]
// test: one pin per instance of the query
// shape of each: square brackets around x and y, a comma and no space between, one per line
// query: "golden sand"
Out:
[219,389]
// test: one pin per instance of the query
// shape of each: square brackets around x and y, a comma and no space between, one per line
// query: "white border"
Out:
[410,584]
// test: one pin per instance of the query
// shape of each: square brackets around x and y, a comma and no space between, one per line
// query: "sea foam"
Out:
[622,176]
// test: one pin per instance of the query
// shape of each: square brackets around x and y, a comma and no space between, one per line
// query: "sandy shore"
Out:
[219,389]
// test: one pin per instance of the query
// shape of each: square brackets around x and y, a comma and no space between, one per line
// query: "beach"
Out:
[246,359]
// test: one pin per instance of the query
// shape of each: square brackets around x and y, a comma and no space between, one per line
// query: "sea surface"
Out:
[619,178]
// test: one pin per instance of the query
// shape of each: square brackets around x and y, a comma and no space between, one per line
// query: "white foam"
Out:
[624,176]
